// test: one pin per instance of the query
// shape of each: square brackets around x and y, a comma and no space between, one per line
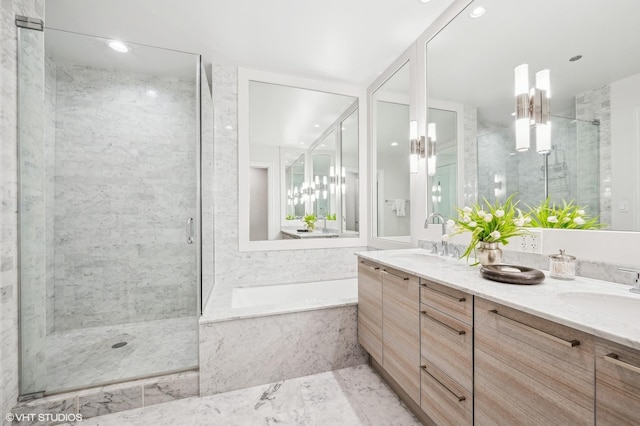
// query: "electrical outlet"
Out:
[523,243]
[533,242]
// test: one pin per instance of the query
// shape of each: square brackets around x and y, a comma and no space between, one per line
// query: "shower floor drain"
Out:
[118,345]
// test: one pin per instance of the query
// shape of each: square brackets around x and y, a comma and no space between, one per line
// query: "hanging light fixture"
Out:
[533,109]
[431,149]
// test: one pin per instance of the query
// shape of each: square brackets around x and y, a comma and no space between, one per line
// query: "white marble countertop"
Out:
[305,235]
[545,300]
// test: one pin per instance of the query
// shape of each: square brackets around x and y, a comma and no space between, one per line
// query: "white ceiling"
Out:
[347,41]
[471,61]
[290,116]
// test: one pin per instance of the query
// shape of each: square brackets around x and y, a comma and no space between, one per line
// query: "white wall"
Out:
[269,156]
[625,135]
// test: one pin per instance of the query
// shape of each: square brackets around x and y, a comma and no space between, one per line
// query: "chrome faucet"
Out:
[636,285]
[445,244]
[437,216]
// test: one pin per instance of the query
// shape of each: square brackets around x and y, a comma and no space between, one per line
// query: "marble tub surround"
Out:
[115,398]
[351,396]
[239,353]
[544,300]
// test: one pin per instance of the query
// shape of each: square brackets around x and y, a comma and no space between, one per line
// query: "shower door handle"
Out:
[190,236]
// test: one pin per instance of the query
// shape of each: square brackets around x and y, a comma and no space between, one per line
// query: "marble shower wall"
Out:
[124,187]
[9,199]
[49,184]
[232,267]
[596,105]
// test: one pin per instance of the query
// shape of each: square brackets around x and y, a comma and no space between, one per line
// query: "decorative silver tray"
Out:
[512,274]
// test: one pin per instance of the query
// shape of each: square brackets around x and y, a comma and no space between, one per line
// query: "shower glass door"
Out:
[109,146]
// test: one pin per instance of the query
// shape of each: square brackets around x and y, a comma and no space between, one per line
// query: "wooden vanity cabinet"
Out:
[446,328]
[401,330]
[370,309]
[529,370]
[617,384]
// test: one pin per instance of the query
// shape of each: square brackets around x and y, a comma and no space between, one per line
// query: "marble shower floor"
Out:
[351,396]
[84,357]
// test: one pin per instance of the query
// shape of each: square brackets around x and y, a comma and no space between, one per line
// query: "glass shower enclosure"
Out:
[109,210]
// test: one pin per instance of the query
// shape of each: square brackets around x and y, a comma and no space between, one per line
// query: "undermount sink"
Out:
[617,307]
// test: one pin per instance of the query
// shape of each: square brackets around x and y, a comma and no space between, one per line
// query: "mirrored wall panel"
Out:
[576,102]
[303,149]
[390,112]
[443,180]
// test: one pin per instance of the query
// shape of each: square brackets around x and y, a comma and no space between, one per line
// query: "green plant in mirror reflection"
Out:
[331,216]
[565,216]
[310,220]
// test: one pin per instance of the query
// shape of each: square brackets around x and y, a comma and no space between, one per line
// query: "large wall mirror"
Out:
[591,52]
[390,112]
[299,158]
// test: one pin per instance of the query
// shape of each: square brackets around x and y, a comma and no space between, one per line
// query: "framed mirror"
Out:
[390,112]
[294,189]
[594,92]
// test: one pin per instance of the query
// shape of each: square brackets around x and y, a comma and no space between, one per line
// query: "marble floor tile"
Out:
[85,357]
[352,396]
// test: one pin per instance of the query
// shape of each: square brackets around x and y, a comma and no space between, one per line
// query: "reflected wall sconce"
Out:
[533,109]
[436,193]
[332,179]
[417,147]
[321,186]
[431,149]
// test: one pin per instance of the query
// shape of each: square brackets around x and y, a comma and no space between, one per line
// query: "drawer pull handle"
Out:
[395,275]
[456,298]
[569,343]
[458,332]
[459,397]
[375,268]
[615,360]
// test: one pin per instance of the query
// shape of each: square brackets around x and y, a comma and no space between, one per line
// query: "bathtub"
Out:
[302,294]
[264,334]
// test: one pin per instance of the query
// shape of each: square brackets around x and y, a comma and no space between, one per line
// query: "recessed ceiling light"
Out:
[344,128]
[301,143]
[322,144]
[477,12]
[512,153]
[118,46]
[424,1]
[152,93]
[575,58]
[228,127]
[513,114]
[316,125]
[394,143]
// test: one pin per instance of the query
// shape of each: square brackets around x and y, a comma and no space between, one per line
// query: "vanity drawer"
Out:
[453,302]
[448,344]
[529,367]
[617,384]
[370,308]
[442,399]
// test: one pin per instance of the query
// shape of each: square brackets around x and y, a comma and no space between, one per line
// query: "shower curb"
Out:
[113,398]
